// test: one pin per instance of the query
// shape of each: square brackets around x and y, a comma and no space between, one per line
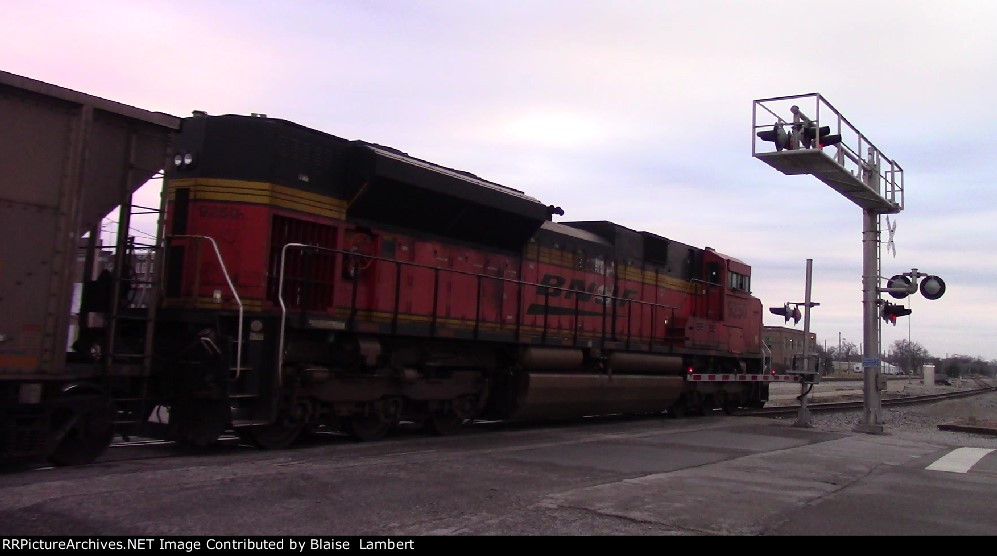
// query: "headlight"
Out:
[178,160]
[188,159]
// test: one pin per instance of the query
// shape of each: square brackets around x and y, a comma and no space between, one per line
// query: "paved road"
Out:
[652,476]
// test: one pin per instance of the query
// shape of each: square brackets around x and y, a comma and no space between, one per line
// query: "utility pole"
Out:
[807,384]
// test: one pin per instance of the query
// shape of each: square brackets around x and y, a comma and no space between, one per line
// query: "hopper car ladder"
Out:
[136,264]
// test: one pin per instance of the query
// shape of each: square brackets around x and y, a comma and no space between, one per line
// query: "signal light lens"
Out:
[932,287]
[899,281]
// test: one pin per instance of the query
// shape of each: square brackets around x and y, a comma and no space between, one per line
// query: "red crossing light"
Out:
[891,311]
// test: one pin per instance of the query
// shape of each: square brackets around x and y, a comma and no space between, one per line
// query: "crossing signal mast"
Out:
[810,136]
[809,373]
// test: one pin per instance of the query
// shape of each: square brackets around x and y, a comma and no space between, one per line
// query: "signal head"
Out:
[932,287]
[822,136]
[899,281]
[890,312]
[783,311]
[776,135]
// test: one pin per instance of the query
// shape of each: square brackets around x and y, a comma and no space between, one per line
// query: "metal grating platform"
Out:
[817,163]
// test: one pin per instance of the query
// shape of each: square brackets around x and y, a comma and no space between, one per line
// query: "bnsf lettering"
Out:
[553,281]
[553,287]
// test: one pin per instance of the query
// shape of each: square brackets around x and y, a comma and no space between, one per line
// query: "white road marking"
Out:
[959,460]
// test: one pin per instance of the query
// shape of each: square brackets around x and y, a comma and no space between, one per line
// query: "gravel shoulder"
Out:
[920,422]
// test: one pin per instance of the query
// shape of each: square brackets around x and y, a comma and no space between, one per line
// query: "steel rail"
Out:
[830,407]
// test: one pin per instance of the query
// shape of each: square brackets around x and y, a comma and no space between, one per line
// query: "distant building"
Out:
[847,367]
[786,343]
[890,369]
[856,367]
[143,267]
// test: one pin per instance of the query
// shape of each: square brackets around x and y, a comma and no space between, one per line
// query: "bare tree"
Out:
[908,355]
[848,352]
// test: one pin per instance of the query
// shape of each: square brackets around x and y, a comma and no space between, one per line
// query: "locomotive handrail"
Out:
[478,276]
[283,310]
[231,287]
[766,357]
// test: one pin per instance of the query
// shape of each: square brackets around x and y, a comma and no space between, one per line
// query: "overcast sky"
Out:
[638,112]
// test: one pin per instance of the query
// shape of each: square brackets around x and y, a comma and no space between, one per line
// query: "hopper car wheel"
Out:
[270,437]
[444,424]
[731,406]
[89,429]
[368,427]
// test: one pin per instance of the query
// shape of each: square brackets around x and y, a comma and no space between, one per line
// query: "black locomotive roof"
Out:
[261,149]
[389,186]
[394,164]
[379,183]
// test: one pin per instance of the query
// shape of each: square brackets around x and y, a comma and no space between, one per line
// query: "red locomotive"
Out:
[314,281]
[302,280]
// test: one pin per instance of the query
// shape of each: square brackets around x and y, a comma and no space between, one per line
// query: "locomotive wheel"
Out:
[88,431]
[367,428]
[444,424]
[270,437]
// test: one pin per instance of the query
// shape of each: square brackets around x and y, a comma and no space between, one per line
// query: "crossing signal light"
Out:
[822,135]
[776,135]
[787,313]
[899,281]
[784,311]
[932,287]
[892,311]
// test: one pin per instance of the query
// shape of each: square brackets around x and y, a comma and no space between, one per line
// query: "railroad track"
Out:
[860,404]
[229,440]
